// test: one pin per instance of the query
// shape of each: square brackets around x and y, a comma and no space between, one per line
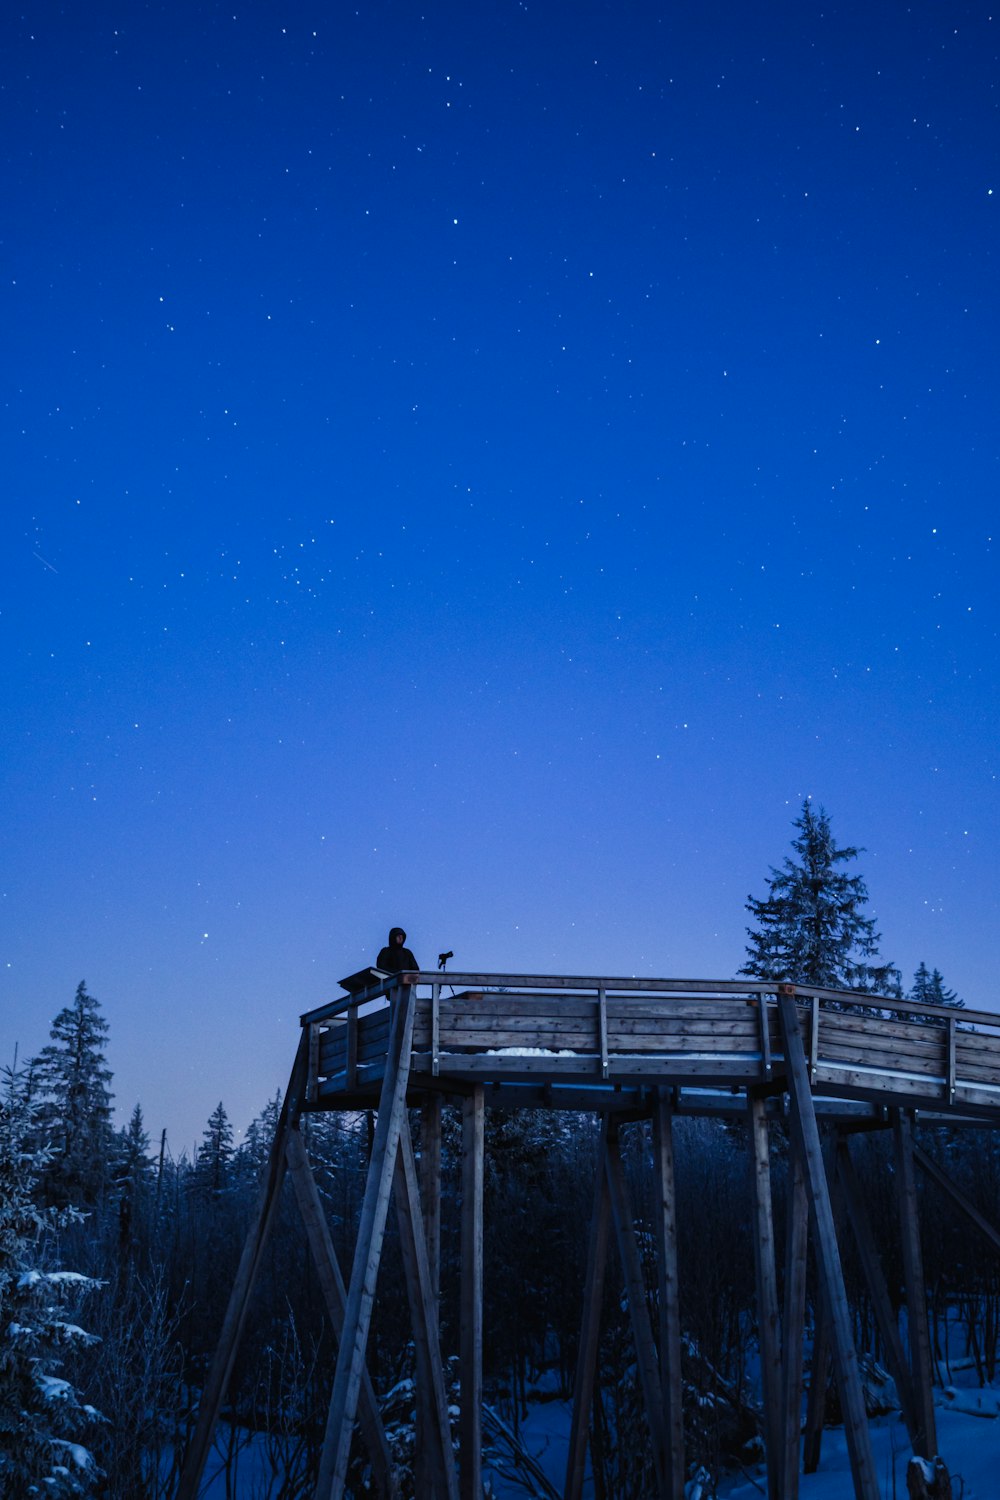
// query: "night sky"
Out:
[479,466]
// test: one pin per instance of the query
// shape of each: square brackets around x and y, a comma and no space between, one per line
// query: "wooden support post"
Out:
[471,1297]
[239,1299]
[431,1390]
[367,1253]
[806,1132]
[590,1327]
[916,1298]
[665,1232]
[602,1029]
[335,1296]
[885,1317]
[768,1329]
[793,1322]
[812,1440]
[635,1290]
[430,1203]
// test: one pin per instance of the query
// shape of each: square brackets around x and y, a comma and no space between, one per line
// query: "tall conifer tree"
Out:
[812,927]
[72,1078]
[133,1175]
[211,1168]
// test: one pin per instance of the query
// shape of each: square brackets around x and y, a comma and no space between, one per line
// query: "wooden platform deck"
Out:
[588,1043]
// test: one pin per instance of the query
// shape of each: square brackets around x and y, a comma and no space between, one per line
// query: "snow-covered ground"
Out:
[968,1441]
[969,1445]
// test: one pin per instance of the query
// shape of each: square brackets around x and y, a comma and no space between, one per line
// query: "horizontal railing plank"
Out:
[978,1094]
[844,1023]
[584,1006]
[481,1024]
[857,1054]
[511,984]
[844,1075]
[977,1070]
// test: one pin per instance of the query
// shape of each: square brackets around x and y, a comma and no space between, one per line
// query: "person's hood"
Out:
[392,934]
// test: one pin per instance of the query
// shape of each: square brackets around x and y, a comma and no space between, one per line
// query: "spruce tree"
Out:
[72,1078]
[132,1151]
[929,988]
[211,1168]
[133,1175]
[811,927]
[41,1415]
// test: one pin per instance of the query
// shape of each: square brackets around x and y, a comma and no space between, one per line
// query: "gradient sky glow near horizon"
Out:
[480,468]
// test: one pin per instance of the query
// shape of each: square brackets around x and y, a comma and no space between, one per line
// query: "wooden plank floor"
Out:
[568,1033]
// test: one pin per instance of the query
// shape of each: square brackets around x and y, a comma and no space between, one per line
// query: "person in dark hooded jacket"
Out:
[396,957]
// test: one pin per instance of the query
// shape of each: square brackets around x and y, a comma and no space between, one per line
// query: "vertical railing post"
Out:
[435,1030]
[312,1075]
[351,1080]
[602,1028]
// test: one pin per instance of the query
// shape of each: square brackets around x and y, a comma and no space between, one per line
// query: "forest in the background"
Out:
[116,1260]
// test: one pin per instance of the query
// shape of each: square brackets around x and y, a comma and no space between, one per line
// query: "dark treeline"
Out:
[154,1245]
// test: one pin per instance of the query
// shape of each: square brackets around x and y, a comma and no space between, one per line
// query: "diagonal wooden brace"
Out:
[239,1298]
[367,1253]
[335,1295]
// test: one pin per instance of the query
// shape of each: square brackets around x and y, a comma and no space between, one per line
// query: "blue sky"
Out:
[480,467]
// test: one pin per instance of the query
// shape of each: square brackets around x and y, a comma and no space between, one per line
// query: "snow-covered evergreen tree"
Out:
[812,926]
[72,1078]
[41,1416]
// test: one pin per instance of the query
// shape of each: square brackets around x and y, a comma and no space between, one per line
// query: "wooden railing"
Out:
[685,1032]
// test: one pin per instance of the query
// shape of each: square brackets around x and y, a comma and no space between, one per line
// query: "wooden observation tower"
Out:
[828,1063]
